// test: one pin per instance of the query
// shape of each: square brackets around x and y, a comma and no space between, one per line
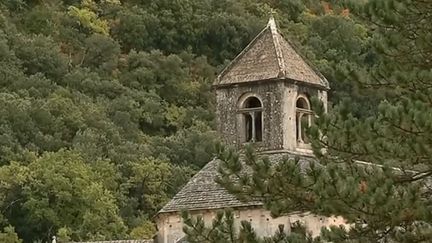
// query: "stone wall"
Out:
[290,93]
[229,122]
[170,225]
[279,113]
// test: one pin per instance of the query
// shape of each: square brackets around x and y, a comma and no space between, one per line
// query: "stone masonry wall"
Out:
[170,225]
[279,113]
[288,121]
[229,120]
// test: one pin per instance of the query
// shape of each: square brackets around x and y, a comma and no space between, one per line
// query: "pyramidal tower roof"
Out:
[270,57]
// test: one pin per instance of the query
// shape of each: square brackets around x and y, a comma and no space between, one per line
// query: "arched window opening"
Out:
[252,102]
[302,103]
[251,111]
[303,119]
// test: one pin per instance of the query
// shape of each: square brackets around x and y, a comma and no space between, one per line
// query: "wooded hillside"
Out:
[106,108]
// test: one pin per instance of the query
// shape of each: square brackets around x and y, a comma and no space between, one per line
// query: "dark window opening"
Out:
[303,120]
[302,103]
[305,123]
[258,126]
[252,119]
[248,126]
[252,102]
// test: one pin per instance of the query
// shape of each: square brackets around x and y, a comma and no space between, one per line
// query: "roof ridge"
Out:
[280,58]
[308,62]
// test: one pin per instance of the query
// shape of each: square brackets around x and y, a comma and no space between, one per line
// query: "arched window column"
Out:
[303,119]
[251,112]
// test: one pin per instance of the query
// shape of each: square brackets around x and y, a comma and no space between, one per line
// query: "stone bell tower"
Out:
[263,96]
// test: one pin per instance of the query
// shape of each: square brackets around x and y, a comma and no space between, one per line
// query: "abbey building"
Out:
[263,97]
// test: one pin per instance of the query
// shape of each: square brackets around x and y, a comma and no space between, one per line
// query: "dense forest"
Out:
[106,107]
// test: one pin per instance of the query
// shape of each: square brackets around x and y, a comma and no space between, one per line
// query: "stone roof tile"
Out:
[202,191]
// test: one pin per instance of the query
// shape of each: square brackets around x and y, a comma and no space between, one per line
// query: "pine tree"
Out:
[225,230]
[374,171]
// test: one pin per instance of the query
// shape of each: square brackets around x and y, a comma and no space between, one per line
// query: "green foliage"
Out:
[144,231]
[387,198]
[87,16]
[40,55]
[63,235]
[224,229]
[148,181]
[57,190]
[115,89]
[8,235]
[101,53]
[216,29]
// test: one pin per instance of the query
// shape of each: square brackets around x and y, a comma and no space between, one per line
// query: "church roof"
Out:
[270,56]
[202,191]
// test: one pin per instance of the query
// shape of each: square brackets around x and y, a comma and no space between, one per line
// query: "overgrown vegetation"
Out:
[374,167]
[106,108]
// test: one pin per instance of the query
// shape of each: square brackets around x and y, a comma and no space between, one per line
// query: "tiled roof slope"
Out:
[269,56]
[202,191]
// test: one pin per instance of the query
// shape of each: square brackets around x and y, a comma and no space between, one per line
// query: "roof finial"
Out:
[272,22]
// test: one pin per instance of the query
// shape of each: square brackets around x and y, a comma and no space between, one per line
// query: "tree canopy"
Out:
[95,95]
[373,167]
